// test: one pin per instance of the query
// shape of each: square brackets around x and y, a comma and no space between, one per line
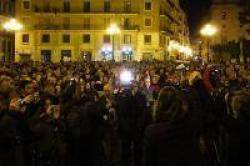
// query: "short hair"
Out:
[240,103]
[172,105]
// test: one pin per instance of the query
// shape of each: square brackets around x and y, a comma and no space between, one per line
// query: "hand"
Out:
[105,117]
[15,104]
[28,99]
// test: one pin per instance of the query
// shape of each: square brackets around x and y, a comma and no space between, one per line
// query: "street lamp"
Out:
[113,30]
[208,31]
[11,26]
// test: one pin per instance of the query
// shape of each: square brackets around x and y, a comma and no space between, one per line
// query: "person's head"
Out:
[6,85]
[172,106]
[194,77]
[240,103]
[54,111]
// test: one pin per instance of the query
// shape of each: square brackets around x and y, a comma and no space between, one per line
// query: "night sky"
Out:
[196,11]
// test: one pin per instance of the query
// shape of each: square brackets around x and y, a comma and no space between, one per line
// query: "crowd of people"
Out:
[83,113]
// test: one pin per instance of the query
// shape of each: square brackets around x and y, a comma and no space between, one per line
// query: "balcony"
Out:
[173,5]
[244,17]
[170,17]
[47,27]
[167,30]
[82,27]
[58,11]
[131,27]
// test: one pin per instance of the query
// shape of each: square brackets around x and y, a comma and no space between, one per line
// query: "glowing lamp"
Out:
[208,30]
[13,25]
[126,77]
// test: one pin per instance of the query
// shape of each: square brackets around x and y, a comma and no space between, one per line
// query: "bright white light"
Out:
[126,77]
[106,48]
[175,46]
[13,25]
[126,49]
[113,29]
[208,30]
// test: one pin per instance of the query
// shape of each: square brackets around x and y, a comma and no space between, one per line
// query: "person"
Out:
[10,125]
[237,125]
[173,140]
[131,124]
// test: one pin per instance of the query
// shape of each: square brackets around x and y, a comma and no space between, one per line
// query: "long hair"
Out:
[172,106]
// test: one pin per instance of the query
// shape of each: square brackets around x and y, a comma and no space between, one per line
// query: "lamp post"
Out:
[113,30]
[208,31]
[12,26]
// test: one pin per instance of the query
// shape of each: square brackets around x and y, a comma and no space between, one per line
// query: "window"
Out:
[26,20]
[46,55]
[66,38]
[86,6]
[106,39]
[127,39]
[224,39]
[86,38]
[26,38]
[127,5]
[148,4]
[45,38]
[66,6]
[147,39]
[86,23]
[106,5]
[47,7]
[26,5]
[162,40]
[66,55]
[66,23]
[127,23]
[1,6]
[106,22]
[148,22]
[223,15]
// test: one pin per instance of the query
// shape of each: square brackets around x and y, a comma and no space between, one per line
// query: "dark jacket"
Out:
[10,137]
[173,144]
[131,113]
[238,144]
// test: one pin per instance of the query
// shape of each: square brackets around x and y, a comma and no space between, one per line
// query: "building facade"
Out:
[232,18]
[6,38]
[56,30]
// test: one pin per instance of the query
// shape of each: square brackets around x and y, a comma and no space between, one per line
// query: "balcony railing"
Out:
[131,27]
[167,30]
[61,11]
[170,17]
[81,27]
